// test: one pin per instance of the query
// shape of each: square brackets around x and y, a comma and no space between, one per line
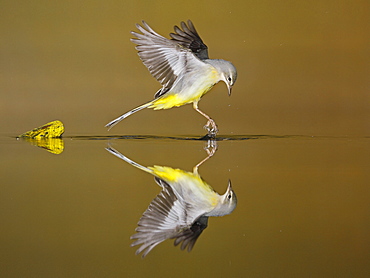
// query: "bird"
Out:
[181,210]
[183,68]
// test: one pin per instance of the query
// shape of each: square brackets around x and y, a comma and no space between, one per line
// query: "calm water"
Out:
[303,208]
[294,139]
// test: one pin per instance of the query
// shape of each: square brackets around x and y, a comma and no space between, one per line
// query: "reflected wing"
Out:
[189,236]
[189,38]
[165,59]
[166,217]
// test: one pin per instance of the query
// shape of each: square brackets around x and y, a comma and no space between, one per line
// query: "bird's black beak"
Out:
[229,87]
[229,186]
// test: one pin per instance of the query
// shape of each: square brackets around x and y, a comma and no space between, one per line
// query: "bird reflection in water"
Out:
[181,210]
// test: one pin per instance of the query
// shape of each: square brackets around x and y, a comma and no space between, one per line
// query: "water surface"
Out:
[302,209]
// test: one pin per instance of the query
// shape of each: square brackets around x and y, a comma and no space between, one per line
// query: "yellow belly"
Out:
[193,93]
[170,101]
[188,181]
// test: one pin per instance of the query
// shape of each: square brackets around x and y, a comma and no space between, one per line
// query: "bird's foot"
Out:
[211,147]
[212,128]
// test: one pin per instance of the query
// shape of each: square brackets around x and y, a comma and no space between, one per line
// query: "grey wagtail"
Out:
[181,209]
[182,66]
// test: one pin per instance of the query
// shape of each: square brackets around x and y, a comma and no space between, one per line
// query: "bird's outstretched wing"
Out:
[189,38]
[165,218]
[165,59]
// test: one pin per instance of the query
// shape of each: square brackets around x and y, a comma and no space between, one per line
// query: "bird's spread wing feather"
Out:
[165,218]
[189,38]
[165,59]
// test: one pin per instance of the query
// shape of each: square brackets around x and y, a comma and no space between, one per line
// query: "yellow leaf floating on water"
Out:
[53,129]
[47,137]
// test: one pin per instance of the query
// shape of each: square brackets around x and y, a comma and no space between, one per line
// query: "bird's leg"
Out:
[211,126]
[210,148]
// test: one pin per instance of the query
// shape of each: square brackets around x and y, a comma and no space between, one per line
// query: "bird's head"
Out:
[229,199]
[226,204]
[228,74]
[226,70]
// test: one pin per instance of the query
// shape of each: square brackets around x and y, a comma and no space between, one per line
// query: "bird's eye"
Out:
[229,196]
[229,79]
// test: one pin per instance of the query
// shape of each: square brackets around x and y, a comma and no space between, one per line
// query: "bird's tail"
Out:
[120,118]
[133,163]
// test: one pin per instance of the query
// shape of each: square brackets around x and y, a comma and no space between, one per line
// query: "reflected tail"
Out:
[120,118]
[133,163]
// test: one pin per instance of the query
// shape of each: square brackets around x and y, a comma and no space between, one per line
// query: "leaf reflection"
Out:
[52,145]
[181,210]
